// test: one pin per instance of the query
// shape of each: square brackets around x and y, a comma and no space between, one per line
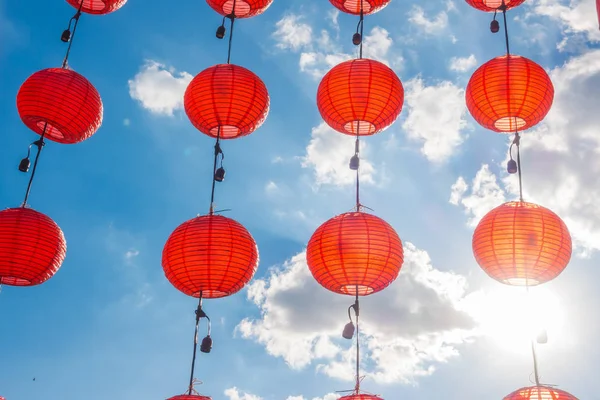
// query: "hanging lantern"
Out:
[355,253]
[61,102]
[540,393]
[354,6]
[361,397]
[509,93]
[189,397]
[32,247]
[226,100]
[520,243]
[360,96]
[210,255]
[98,7]
[243,8]
[494,5]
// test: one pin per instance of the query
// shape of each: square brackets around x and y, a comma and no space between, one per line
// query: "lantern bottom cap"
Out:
[359,127]
[510,124]
[242,8]
[225,131]
[211,294]
[362,290]
[521,281]
[353,6]
[14,281]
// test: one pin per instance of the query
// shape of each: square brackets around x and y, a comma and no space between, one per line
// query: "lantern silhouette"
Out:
[98,7]
[62,103]
[210,256]
[243,8]
[190,397]
[226,100]
[32,247]
[540,393]
[494,5]
[355,254]
[520,243]
[509,93]
[354,6]
[360,97]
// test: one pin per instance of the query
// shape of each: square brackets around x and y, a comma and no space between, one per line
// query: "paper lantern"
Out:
[190,397]
[540,393]
[355,253]
[32,247]
[63,102]
[509,93]
[354,6]
[97,6]
[210,255]
[360,96]
[361,397]
[243,8]
[493,5]
[226,100]
[520,243]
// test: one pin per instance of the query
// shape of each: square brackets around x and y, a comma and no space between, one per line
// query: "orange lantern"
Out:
[210,256]
[97,6]
[361,397]
[540,393]
[355,254]
[520,243]
[62,103]
[226,100]
[32,247]
[243,8]
[494,5]
[190,397]
[509,93]
[354,6]
[360,97]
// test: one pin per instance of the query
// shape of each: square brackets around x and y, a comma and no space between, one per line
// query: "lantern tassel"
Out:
[39,144]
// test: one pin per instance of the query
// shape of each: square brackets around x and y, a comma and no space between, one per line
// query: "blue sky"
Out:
[109,324]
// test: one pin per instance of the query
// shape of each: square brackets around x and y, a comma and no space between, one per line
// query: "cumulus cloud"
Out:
[561,167]
[234,394]
[431,26]
[436,117]
[291,33]
[158,88]
[301,321]
[463,64]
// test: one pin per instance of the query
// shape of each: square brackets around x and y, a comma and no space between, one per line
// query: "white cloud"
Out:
[301,321]
[292,34]
[463,64]
[431,26]
[159,89]
[329,153]
[330,396]
[234,394]
[436,117]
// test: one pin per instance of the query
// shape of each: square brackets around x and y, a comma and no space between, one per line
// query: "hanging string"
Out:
[39,144]
[214,179]
[76,19]
[533,347]
[503,8]
[199,313]
[232,18]
[517,142]
[356,154]
[357,387]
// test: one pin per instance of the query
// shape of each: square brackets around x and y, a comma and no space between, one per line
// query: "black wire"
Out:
[357,343]
[232,18]
[198,316]
[517,142]
[39,143]
[214,180]
[362,25]
[76,18]
[503,6]
[357,152]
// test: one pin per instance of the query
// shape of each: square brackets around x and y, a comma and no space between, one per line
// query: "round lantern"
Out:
[226,100]
[520,243]
[509,93]
[97,6]
[190,397]
[360,96]
[540,393]
[354,6]
[62,102]
[494,5]
[355,253]
[210,255]
[32,247]
[243,8]
[361,397]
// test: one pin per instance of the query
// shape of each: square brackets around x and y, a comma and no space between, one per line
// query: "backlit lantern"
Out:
[540,393]
[210,256]
[354,6]
[190,397]
[361,397]
[520,243]
[494,5]
[97,6]
[360,96]
[32,247]
[509,94]
[243,8]
[62,103]
[355,253]
[226,100]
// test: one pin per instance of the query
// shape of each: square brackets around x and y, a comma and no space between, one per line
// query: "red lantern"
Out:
[226,100]
[97,6]
[190,397]
[540,393]
[243,8]
[509,93]
[354,6]
[32,247]
[355,252]
[494,5]
[520,243]
[361,397]
[211,255]
[360,96]
[61,102]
